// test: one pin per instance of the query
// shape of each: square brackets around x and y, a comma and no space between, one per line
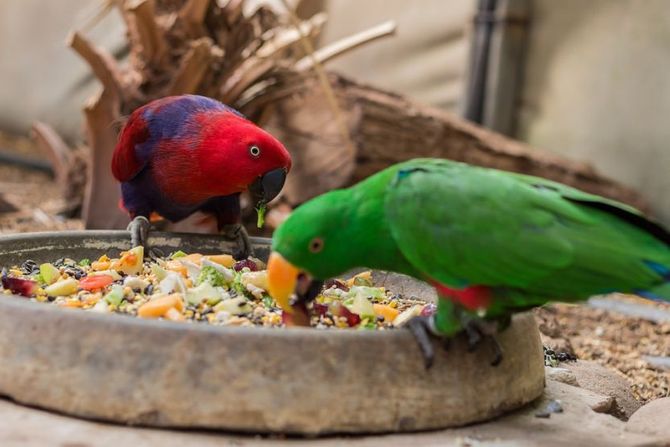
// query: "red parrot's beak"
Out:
[291,289]
[268,186]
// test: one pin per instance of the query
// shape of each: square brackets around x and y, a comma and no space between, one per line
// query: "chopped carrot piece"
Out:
[72,303]
[224,260]
[100,265]
[388,312]
[178,267]
[158,307]
[195,258]
[366,276]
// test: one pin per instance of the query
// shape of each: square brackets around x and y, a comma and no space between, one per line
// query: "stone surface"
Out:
[562,375]
[160,373]
[577,425]
[601,380]
[653,419]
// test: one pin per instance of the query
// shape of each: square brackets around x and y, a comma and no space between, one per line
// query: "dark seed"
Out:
[75,272]
[29,267]
[148,290]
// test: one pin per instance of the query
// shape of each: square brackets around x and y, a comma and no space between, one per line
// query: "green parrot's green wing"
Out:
[463,225]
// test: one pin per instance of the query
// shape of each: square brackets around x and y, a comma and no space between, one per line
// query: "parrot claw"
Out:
[139,231]
[237,233]
[477,331]
[422,328]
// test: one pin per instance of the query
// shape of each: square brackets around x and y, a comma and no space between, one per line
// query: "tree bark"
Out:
[387,128]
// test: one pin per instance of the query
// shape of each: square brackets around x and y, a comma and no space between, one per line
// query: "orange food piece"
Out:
[367,275]
[95,282]
[224,260]
[174,315]
[100,265]
[72,303]
[160,306]
[127,259]
[178,267]
[388,312]
[195,258]
[93,299]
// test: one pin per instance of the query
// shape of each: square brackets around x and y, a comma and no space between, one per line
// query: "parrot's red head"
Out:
[249,157]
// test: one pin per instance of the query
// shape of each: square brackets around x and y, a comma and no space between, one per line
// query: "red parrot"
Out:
[182,154]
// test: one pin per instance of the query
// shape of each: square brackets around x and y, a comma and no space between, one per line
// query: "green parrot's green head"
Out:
[322,238]
[328,236]
[314,243]
[317,236]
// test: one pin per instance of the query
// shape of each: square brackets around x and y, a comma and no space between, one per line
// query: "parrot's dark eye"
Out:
[316,245]
[255,151]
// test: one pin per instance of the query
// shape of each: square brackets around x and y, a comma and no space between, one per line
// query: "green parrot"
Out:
[492,243]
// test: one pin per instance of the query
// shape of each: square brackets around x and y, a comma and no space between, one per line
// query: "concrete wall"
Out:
[40,78]
[426,59]
[597,87]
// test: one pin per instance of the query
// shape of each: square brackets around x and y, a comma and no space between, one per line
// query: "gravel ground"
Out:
[35,195]
[615,340]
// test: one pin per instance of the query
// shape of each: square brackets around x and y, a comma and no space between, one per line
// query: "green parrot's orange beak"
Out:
[291,289]
[282,280]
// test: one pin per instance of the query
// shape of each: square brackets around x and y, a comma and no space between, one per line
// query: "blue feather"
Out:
[658,268]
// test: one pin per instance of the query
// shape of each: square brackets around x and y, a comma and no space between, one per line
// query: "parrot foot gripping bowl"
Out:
[264,380]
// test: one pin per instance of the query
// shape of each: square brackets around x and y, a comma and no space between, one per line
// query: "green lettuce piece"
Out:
[212,276]
[177,254]
[115,295]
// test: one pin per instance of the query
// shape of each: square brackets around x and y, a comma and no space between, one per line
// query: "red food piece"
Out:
[320,309]
[239,265]
[18,286]
[95,282]
[352,318]
[340,310]
[337,284]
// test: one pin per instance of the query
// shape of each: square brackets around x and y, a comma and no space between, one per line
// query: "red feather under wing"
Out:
[125,161]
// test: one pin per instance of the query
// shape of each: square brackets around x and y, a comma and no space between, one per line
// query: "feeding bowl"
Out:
[301,381]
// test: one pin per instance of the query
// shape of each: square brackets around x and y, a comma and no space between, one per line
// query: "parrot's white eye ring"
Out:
[316,245]
[255,151]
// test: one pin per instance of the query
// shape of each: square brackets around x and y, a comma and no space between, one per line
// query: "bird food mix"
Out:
[212,289]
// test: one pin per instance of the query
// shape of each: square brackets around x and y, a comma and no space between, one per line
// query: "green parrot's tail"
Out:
[658,293]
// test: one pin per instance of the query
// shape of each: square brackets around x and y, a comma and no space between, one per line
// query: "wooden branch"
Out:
[233,10]
[55,149]
[194,11]
[193,67]
[388,128]
[145,32]
[345,45]
[275,41]
[6,206]
[101,62]
[101,198]
[247,74]
[280,39]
